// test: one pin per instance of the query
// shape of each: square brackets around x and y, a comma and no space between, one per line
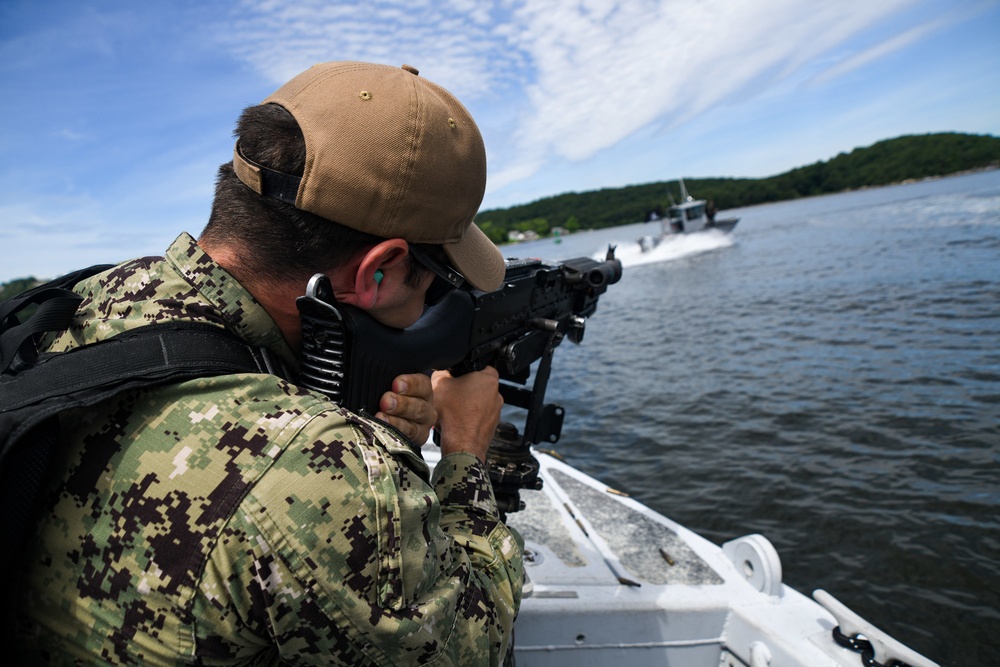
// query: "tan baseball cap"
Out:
[388,153]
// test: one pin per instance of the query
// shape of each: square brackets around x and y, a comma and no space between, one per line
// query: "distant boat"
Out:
[691,216]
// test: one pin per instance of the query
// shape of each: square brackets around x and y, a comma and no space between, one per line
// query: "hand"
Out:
[409,407]
[468,410]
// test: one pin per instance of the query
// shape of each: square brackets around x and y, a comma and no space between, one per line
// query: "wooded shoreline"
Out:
[899,160]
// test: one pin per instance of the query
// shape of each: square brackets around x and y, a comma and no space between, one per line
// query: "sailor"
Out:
[242,518]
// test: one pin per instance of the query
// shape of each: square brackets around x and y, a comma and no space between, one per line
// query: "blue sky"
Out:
[118,113]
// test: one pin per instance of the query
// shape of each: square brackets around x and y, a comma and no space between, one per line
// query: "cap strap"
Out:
[264,181]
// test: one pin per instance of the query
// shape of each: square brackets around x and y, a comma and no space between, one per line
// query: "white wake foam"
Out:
[630,253]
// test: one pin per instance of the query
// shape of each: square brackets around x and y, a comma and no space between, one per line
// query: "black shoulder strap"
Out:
[56,305]
[148,356]
[35,387]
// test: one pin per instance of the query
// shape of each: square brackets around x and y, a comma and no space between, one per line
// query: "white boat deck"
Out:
[611,582]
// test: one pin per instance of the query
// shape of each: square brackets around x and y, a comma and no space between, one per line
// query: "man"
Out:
[243,519]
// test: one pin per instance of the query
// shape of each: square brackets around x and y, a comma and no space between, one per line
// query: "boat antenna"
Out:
[684,193]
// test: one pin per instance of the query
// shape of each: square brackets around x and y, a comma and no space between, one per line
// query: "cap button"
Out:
[411,69]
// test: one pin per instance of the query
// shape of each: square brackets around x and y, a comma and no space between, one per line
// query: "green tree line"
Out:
[890,161]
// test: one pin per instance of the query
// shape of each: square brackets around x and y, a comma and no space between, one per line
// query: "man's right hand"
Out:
[468,410]
[409,407]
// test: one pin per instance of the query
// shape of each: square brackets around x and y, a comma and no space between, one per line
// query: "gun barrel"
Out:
[595,274]
[353,358]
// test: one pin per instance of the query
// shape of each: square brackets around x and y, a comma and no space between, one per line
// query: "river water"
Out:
[829,377]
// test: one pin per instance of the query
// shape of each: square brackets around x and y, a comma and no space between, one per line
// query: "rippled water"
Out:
[828,377]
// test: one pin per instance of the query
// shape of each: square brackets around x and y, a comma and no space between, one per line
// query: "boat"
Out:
[691,216]
[609,581]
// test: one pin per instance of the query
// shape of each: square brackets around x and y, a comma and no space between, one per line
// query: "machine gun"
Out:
[353,359]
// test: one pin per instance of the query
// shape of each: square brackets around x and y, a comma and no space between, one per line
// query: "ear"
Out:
[387,257]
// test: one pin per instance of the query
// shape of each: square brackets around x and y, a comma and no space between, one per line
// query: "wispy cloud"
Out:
[877,51]
[124,109]
[463,43]
[605,70]
[593,73]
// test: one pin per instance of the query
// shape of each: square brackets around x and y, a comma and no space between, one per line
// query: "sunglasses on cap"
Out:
[446,278]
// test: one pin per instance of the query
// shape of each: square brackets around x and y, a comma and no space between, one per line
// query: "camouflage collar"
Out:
[238,307]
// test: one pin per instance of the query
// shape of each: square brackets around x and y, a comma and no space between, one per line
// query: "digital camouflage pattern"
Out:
[243,520]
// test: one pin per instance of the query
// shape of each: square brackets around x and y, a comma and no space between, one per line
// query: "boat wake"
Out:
[683,245]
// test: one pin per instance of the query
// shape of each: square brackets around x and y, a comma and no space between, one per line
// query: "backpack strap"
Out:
[57,304]
[150,355]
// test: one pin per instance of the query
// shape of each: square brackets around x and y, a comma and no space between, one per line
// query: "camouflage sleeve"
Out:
[343,554]
[470,517]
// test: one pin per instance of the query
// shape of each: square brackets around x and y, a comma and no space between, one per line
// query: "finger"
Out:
[413,384]
[419,410]
[407,428]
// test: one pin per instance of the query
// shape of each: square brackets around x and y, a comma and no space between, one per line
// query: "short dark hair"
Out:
[277,242]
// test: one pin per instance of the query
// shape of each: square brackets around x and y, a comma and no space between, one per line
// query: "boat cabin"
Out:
[687,217]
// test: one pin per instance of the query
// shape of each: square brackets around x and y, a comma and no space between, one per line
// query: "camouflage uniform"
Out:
[244,520]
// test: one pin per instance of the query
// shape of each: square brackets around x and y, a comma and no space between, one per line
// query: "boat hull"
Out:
[725,225]
[673,230]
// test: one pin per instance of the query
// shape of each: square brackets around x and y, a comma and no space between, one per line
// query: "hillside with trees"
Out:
[897,160]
